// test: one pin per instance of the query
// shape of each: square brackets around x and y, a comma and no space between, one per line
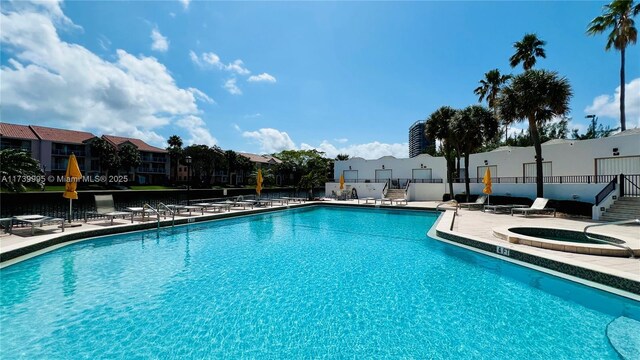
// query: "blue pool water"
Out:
[308,283]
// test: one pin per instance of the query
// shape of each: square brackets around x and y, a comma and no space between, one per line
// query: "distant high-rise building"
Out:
[418,142]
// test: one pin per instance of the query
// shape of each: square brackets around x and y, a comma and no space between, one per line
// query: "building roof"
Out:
[262,159]
[635,131]
[141,145]
[558,141]
[61,135]
[17,131]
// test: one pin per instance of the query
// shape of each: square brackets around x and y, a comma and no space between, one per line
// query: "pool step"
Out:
[624,336]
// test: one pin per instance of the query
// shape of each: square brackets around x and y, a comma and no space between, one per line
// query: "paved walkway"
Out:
[473,224]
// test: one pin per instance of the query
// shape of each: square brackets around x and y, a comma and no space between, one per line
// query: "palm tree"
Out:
[619,17]
[536,96]
[473,126]
[527,50]
[175,153]
[438,127]
[16,164]
[489,89]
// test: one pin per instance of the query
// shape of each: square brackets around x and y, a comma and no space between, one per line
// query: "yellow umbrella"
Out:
[259,182]
[341,182]
[487,183]
[72,177]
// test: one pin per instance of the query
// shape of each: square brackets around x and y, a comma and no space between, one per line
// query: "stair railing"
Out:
[622,246]
[629,185]
[611,187]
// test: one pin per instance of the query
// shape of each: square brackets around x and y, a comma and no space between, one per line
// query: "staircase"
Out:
[395,194]
[625,208]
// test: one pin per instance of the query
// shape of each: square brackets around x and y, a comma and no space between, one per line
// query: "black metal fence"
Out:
[565,179]
[629,185]
[53,204]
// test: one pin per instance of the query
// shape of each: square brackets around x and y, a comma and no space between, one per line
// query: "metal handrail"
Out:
[384,189]
[149,207]
[623,222]
[173,214]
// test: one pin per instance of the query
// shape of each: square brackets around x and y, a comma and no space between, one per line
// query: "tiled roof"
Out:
[263,159]
[17,131]
[141,145]
[60,135]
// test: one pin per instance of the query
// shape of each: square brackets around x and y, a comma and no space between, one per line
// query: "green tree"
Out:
[438,127]
[308,168]
[342,157]
[204,160]
[107,155]
[594,131]
[527,51]
[129,158]
[175,153]
[489,89]
[618,16]
[14,164]
[536,96]
[473,127]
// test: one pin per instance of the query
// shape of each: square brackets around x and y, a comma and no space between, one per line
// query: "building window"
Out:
[483,169]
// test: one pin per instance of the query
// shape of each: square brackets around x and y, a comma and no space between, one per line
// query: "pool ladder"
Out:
[623,222]
[153,210]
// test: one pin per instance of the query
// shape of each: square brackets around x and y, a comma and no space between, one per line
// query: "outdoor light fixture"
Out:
[382,167]
[614,197]
[616,152]
[486,162]
[576,196]
[349,167]
[602,208]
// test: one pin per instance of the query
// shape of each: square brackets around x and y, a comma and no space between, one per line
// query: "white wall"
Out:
[373,190]
[426,192]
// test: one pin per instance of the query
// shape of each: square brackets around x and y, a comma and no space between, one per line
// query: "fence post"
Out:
[621,185]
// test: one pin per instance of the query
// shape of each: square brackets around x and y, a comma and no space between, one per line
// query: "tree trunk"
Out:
[466,175]
[457,166]
[535,137]
[623,121]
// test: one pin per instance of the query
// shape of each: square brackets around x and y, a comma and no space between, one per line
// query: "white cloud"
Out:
[238,67]
[185,3]
[201,95]
[271,140]
[212,60]
[52,82]
[341,141]
[236,127]
[372,150]
[197,130]
[609,105]
[264,77]
[160,43]
[253,116]
[231,87]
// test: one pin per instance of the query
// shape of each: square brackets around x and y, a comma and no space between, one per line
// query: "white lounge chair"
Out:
[105,207]
[538,206]
[34,220]
[478,203]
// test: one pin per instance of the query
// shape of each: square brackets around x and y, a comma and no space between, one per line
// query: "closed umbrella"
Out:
[72,176]
[259,182]
[341,182]
[487,184]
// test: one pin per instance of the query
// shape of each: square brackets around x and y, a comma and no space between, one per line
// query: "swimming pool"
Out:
[314,282]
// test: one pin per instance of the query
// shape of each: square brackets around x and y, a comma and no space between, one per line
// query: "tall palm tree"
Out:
[472,127]
[619,17]
[527,50]
[175,153]
[536,96]
[438,127]
[489,89]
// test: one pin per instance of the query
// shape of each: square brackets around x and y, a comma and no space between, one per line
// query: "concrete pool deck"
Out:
[473,225]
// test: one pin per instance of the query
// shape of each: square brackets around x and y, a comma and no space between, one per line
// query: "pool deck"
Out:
[473,225]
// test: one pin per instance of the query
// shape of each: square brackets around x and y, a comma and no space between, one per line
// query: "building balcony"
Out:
[67,152]
[151,170]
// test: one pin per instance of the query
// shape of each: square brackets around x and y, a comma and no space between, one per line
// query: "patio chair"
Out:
[105,207]
[478,203]
[34,220]
[538,206]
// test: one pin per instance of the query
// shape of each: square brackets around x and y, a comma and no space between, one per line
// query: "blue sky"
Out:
[347,77]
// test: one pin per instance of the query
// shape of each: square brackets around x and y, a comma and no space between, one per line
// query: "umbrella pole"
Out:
[70,211]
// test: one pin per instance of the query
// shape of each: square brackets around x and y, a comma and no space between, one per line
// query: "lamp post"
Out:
[187,161]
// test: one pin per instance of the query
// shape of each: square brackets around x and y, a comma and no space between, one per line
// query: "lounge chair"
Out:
[105,207]
[538,206]
[34,220]
[478,203]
